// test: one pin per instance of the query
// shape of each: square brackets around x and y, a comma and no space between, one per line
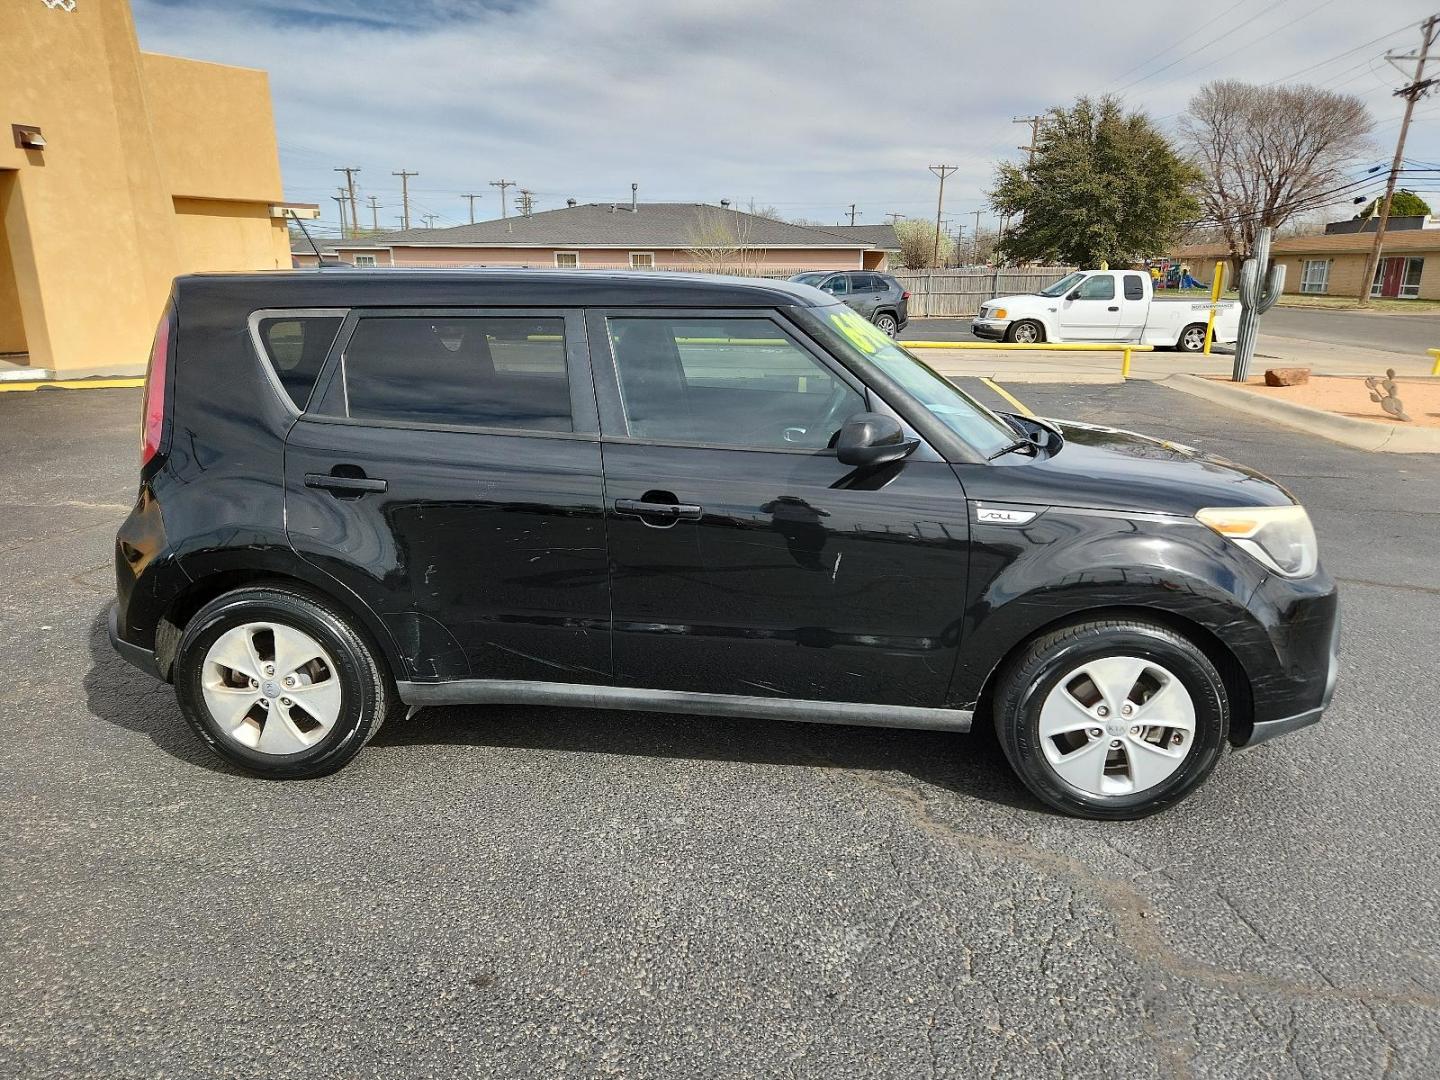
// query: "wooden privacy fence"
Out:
[961,292]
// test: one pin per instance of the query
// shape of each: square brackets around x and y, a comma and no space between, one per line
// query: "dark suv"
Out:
[878,297]
[372,491]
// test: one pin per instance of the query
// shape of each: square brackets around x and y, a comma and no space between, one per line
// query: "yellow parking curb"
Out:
[1011,398]
[71,384]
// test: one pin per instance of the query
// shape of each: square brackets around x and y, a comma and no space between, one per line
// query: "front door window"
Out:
[726,382]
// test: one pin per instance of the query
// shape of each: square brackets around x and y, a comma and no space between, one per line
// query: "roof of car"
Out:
[481,287]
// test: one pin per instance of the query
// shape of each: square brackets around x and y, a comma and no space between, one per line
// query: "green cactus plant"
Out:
[1255,300]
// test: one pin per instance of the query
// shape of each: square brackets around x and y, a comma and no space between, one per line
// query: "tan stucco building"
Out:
[119,169]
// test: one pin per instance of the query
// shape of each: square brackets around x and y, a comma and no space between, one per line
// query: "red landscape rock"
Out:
[1287,376]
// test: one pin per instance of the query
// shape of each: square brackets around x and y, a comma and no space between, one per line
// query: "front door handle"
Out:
[1112,309]
[349,484]
[674,511]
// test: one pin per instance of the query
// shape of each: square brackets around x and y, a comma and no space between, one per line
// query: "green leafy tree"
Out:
[1402,204]
[1104,186]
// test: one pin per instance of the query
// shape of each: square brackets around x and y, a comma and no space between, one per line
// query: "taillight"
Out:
[905,295]
[152,429]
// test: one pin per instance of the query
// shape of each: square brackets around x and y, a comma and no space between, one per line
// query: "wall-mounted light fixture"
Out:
[27,137]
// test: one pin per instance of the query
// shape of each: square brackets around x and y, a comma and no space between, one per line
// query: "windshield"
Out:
[810,279]
[1064,285]
[954,408]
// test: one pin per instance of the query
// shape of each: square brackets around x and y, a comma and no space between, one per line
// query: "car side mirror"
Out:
[869,439]
[1074,295]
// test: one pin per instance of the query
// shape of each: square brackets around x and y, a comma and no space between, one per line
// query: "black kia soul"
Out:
[675,493]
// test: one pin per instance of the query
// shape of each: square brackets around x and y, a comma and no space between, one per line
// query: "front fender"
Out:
[1068,564]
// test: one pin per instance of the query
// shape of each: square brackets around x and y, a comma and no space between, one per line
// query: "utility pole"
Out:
[472,199]
[942,171]
[502,185]
[405,193]
[525,201]
[429,220]
[1411,93]
[975,236]
[341,201]
[375,213]
[852,213]
[1034,122]
[350,171]
[894,217]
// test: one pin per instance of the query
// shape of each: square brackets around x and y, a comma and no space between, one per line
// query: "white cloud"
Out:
[806,106]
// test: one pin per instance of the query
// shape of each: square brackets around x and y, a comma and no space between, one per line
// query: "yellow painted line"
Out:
[1011,398]
[71,384]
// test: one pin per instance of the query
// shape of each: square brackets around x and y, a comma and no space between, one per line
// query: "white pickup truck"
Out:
[1106,305]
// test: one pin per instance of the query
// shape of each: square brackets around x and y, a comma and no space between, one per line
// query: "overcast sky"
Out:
[803,106]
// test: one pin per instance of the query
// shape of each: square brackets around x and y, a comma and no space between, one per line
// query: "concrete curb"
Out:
[1361,434]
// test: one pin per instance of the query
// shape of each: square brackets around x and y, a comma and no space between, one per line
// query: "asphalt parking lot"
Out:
[516,892]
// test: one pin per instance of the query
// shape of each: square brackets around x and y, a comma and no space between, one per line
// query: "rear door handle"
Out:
[677,511]
[344,483]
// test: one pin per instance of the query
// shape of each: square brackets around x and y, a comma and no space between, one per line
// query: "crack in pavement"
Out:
[1129,908]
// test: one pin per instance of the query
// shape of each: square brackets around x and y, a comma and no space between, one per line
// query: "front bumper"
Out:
[138,655]
[1265,730]
[992,329]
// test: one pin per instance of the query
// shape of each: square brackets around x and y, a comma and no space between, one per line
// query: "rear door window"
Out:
[461,371]
[295,346]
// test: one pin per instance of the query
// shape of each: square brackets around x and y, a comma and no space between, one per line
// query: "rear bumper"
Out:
[137,655]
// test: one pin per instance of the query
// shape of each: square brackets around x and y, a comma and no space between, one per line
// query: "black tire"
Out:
[886,322]
[1029,677]
[1012,332]
[1189,341]
[367,693]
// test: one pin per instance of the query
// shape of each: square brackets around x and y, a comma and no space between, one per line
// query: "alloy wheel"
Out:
[1117,726]
[1026,334]
[1193,339]
[271,688]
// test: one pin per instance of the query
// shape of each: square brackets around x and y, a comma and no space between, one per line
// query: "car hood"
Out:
[1013,298]
[1106,468]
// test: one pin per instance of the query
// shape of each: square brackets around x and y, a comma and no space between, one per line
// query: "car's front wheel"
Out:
[1112,718]
[1025,332]
[278,682]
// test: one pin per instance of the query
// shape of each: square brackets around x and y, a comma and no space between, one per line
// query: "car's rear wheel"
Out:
[887,323]
[1111,719]
[1192,338]
[278,682]
[1025,332]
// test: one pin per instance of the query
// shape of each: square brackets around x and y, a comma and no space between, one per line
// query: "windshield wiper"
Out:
[1018,444]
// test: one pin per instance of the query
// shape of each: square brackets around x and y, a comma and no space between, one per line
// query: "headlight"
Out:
[998,313]
[1280,537]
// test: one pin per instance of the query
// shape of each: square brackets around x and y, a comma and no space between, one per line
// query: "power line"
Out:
[1201,48]
[1179,40]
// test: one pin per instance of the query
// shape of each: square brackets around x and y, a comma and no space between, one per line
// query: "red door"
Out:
[1392,275]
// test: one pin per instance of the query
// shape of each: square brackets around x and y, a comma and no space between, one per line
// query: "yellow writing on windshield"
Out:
[860,332]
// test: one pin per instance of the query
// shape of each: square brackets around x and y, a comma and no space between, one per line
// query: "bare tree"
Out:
[722,243]
[1270,154]
[917,244]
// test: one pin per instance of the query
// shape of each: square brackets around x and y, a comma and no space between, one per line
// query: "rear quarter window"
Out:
[295,347]
[1134,287]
